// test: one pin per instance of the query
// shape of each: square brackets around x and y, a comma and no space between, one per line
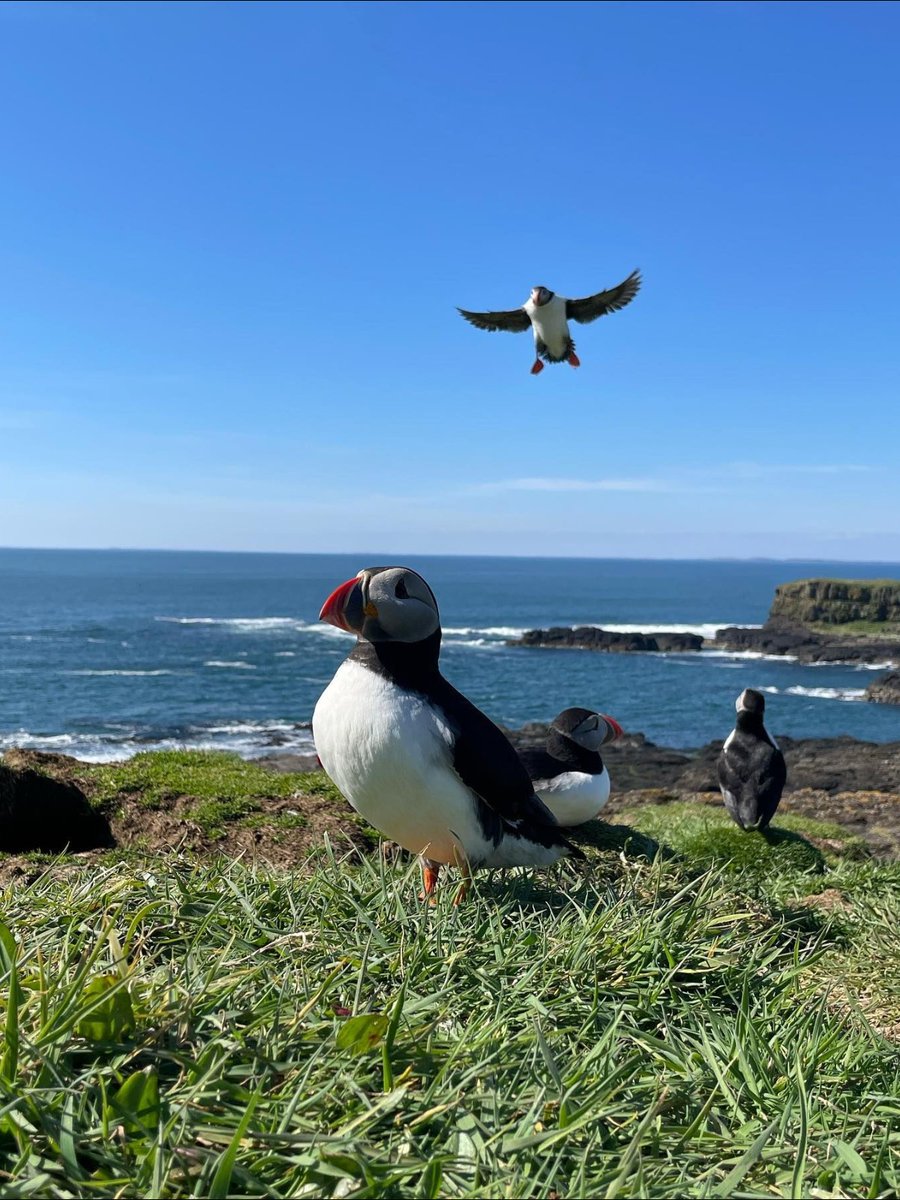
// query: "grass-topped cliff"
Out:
[865,606]
[695,1012]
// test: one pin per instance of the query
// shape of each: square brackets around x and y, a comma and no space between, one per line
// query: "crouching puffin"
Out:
[409,752]
[751,768]
[548,316]
[569,775]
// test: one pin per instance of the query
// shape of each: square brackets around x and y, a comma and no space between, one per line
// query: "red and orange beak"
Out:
[334,610]
[616,730]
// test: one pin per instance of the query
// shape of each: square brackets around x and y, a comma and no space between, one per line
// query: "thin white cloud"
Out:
[753,469]
[544,484]
[699,480]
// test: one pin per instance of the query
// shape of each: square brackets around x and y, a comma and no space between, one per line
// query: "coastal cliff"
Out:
[829,602]
[830,620]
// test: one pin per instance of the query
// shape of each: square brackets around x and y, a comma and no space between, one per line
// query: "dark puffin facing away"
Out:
[569,776]
[410,753]
[548,317]
[751,768]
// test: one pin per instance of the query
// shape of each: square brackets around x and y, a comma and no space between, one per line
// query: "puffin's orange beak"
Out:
[334,608]
[615,728]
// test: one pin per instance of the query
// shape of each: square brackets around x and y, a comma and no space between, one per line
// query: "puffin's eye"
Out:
[400,590]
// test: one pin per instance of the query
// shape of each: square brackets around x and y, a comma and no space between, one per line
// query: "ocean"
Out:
[105,653]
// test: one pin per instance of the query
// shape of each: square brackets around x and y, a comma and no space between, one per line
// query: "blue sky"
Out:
[232,237]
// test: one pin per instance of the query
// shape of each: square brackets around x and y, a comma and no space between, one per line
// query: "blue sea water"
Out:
[104,653]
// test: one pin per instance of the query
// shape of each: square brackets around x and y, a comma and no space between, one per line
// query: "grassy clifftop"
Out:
[719,1018]
[866,605]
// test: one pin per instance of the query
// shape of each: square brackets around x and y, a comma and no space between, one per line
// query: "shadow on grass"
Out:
[780,838]
[621,839]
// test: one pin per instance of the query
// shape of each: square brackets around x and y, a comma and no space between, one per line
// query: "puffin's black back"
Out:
[562,755]
[752,775]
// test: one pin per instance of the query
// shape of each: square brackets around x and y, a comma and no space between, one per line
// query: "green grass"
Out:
[873,629]
[213,775]
[224,787]
[635,1028]
[706,835]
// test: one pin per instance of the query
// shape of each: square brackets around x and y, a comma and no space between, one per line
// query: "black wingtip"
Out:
[574,851]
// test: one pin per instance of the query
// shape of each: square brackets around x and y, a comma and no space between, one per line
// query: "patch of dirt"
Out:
[281,833]
[831,900]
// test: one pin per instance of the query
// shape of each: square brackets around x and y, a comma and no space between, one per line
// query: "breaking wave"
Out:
[849,695]
[249,739]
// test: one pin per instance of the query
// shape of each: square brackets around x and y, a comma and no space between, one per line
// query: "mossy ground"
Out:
[721,1018]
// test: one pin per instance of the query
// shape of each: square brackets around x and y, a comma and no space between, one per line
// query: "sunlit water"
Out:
[106,653]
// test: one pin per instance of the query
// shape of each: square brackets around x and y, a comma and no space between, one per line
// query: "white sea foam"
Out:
[161,671]
[849,695]
[246,738]
[285,654]
[496,631]
[244,623]
[754,654]
[236,666]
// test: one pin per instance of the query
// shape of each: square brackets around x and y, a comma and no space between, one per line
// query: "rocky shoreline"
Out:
[807,645]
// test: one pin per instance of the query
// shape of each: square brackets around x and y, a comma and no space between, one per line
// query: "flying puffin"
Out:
[751,768]
[410,753]
[548,315]
[569,776]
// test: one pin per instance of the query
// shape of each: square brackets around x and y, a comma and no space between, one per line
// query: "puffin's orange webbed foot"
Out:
[538,367]
[430,873]
[573,360]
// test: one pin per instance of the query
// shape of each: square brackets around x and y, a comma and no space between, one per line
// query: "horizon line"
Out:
[721,558]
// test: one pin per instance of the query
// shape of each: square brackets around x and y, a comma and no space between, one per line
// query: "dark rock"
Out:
[840,764]
[832,765]
[806,645]
[885,689]
[588,637]
[38,813]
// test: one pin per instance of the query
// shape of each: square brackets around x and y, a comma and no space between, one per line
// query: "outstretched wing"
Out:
[589,308]
[516,320]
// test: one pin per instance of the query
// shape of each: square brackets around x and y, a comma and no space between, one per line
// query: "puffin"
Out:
[751,768]
[410,753]
[569,775]
[548,316]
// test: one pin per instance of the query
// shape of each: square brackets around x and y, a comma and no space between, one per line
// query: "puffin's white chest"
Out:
[389,752]
[574,797]
[550,325]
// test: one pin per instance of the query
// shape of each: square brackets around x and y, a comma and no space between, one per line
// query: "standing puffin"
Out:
[548,315]
[751,768]
[410,753]
[569,776]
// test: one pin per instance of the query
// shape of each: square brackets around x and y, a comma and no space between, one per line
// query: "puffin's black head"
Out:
[384,604]
[588,729]
[541,295]
[751,702]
